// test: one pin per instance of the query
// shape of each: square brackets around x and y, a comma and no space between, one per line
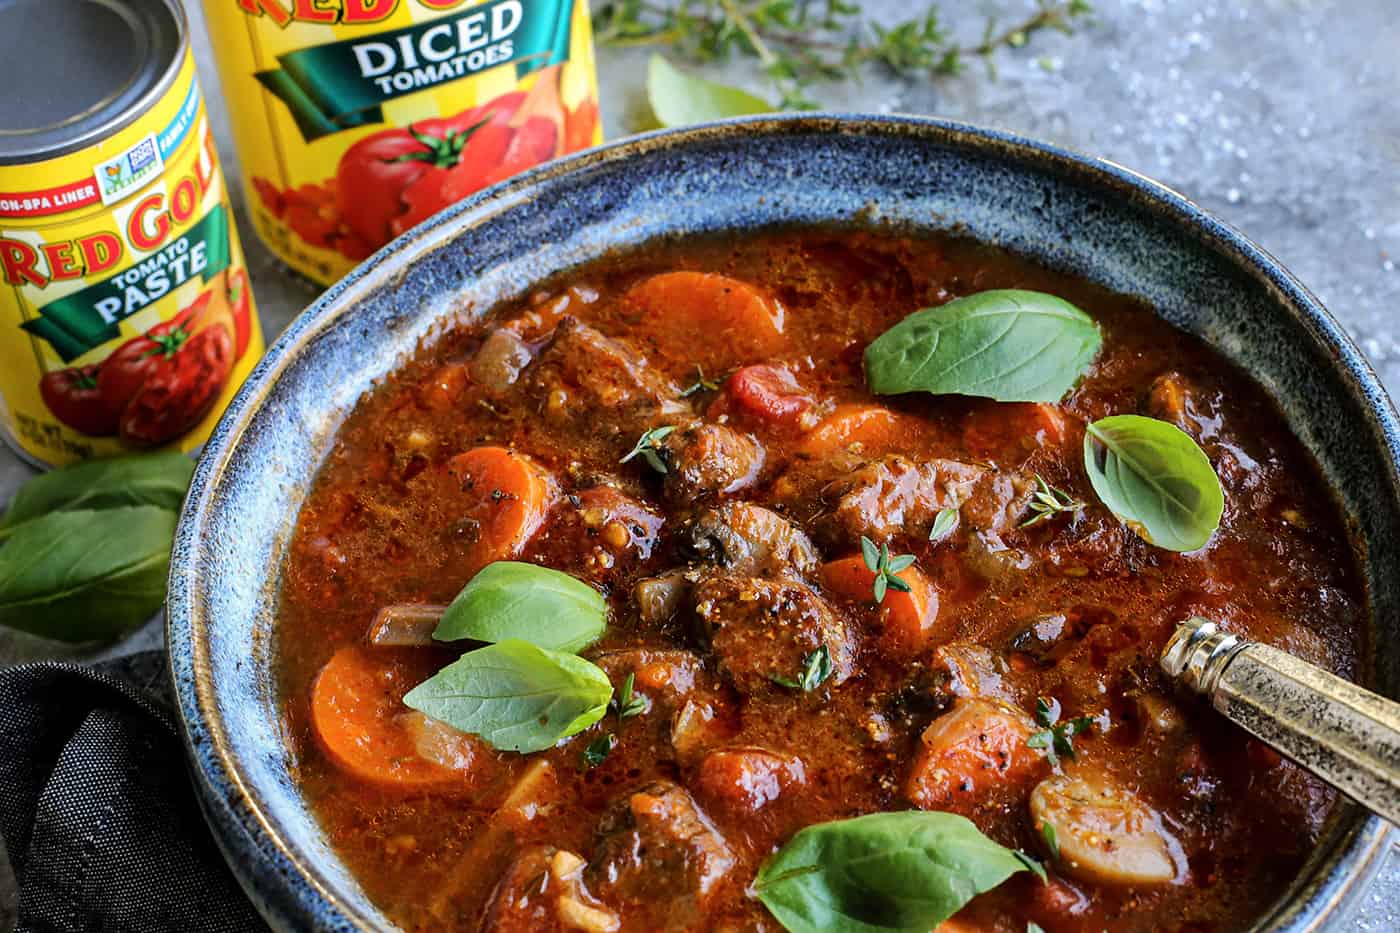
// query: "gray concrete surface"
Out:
[1281,116]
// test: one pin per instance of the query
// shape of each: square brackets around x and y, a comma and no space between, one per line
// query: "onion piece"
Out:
[405,625]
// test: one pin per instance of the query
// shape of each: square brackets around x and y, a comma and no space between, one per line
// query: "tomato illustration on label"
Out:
[390,181]
[160,384]
[180,391]
[75,399]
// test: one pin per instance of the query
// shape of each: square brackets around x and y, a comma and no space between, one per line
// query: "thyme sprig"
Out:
[800,42]
[1049,502]
[879,561]
[648,447]
[1056,738]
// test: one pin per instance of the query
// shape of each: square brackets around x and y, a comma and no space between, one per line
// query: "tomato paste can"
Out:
[126,320]
[357,119]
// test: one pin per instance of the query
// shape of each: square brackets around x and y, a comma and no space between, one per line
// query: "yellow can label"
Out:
[357,119]
[126,320]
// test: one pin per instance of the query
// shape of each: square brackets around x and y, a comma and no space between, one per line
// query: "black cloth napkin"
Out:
[97,808]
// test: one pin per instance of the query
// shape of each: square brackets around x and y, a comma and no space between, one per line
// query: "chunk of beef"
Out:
[656,846]
[751,540]
[707,459]
[522,900]
[895,495]
[998,502]
[761,630]
[499,361]
[580,372]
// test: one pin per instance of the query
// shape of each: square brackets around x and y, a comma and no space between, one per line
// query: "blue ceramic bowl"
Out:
[1070,212]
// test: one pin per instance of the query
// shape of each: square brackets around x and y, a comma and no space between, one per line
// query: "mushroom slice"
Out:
[1105,833]
[405,625]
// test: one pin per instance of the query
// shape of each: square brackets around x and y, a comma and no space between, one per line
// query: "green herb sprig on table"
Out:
[801,42]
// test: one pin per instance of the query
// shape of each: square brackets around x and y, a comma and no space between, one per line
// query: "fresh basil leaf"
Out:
[906,871]
[1008,345]
[143,479]
[1155,479]
[515,695]
[86,574]
[1032,865]
[679,99]
[509,599]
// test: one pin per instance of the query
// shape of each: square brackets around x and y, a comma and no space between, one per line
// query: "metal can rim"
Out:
[102,125]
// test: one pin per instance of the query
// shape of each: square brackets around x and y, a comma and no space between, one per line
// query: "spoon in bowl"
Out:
[1345,735]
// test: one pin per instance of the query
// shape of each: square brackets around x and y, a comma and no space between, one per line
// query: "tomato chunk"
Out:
[765,394]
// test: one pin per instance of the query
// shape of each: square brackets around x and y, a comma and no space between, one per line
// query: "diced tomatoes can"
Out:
[357,119]
[126,319]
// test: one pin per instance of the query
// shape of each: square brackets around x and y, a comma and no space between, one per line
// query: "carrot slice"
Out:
[708,319]
[906,619]
[505,498]
[874,428]
[358,715]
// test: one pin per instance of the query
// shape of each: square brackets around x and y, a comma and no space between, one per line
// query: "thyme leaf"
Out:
[648,447]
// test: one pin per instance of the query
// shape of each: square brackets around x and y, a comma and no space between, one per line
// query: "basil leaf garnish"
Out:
[159,479]
[86,574]
[1008,345]
[515,695]
[1156,479]
[509,599]
[679,99]
[905,871]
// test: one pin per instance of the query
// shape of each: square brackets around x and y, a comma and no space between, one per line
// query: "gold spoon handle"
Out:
[1345,735]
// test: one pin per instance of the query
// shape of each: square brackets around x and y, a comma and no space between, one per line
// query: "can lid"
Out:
[79,70]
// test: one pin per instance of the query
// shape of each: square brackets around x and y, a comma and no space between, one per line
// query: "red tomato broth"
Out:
[378,529]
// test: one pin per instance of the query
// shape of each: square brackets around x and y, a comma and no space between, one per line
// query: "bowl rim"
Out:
[291,890]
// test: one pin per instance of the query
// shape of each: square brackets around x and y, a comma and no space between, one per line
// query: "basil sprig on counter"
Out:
[85,550]
[906,871]
[528,690]
[510,599]
[1008,344]
[515,695]
[1155,479]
